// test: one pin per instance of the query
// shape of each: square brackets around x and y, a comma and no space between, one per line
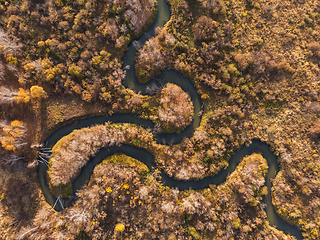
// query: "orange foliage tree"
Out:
[13,135]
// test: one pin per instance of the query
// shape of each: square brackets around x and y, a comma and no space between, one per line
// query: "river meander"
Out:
[173,77]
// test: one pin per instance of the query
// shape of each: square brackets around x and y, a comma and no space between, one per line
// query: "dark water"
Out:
[173,77]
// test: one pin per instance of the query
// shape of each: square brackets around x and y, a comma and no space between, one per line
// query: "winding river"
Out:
[173,77]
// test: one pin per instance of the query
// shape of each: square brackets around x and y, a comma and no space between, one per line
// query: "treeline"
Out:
[18,98]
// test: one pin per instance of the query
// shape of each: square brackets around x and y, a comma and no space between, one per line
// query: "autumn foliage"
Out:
[255,64]
[80,44]
[13,135]
[119,199]
[37,92]
[176,109]
[315,129]
[22,96]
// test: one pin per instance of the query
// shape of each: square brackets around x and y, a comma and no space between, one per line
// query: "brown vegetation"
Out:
[153,56]
[120,203]
[255,65]
[13,135]
[176,110]
[315,129]
[70,45]
[72,152]
[261,59]
[19,200]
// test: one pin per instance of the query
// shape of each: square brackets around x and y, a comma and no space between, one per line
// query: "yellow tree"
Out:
[13,135]
[22,96]
[8,96]
[37,92]
[119,227]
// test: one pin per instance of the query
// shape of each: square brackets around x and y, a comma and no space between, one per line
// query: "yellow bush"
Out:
[23,96]
[11,59]
[119,227]
[7,143]
[37,92]
[16,123]
[74,70]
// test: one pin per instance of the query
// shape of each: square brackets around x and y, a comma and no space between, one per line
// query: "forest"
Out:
[255,65]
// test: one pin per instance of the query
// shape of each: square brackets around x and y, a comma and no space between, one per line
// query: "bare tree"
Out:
[2,73]
[13,135]
[210,3]
[151,54]
[79,216]
[9,45]
[44,155]
[133,20]
[7,95]
[12,159]
[153,89]
[135,5]
[157,128]
[175,108]
[37,65]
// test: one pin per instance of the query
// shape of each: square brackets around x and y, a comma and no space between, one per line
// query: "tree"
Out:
[314,131]
[119,227]
[7,95]
[79,216]
[2,72]
[37,92]
[13,135]
[22,96]
[76,71]
[175,110]
[210,3]
[8,45]
[243,60]
[204,29]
